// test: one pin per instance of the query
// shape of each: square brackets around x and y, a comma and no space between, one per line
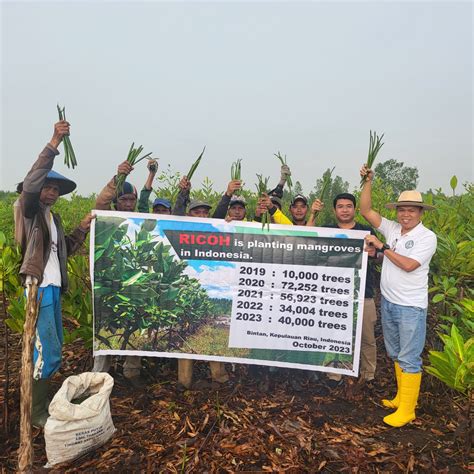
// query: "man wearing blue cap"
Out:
[45,249]
[161,206]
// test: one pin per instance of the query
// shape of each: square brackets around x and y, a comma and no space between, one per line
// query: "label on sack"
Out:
[62,446]
[90,436]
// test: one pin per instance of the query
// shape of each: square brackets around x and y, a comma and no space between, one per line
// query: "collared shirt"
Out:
[397,285]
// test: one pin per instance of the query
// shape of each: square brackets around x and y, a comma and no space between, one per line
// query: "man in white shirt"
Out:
[404,286]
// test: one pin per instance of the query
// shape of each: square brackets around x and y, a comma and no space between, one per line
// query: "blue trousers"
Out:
[404,332]
[49,334]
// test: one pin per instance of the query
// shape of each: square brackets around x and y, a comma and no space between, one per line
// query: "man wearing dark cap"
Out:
[201,209]
[224,204]
[299,209]
[45,249]
[237,208]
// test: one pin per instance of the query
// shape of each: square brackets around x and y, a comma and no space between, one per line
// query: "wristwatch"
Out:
[384,247]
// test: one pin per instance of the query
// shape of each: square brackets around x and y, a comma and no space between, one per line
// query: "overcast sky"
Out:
[245,79]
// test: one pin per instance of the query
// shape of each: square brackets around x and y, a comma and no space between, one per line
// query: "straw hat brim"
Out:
[394,205]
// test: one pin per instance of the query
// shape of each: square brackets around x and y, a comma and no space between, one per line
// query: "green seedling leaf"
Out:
[453,183]
[438,297]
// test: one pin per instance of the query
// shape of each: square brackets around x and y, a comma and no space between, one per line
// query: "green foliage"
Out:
[178,304]
[4,195]
[140,285]
[398,176]
[6,216]
[455,364]
[206,192]
[72,209]
[77,301]
[454,226]
[168,184]
[461,314]
[11,291]
[222,306]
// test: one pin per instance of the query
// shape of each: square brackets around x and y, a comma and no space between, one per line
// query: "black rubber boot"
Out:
[40,413]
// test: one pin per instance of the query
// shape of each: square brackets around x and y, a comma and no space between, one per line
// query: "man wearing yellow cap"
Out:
[404,286]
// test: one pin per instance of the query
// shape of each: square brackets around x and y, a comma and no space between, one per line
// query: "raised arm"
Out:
[76,238]
[106,196]
[143,201]
[316,208]
[371,216]
[152,166]
[223,206]
[182,199]
[407,264]
[34,180]
[285,173]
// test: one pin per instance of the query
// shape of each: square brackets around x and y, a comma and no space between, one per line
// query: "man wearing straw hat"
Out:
[404,285]
[45,249]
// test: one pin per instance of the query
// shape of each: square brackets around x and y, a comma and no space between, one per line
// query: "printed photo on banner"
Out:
[232,292]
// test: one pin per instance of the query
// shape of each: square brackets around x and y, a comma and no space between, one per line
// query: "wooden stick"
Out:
[25,451]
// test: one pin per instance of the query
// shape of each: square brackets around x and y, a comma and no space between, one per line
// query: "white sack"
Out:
[73,430]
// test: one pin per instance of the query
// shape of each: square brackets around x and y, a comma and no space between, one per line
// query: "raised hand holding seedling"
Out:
[61,129]
[233,186]
[69,155]
[152,165]
[184,184]
[132,159]
[366,174]
[124,168]
[317,206]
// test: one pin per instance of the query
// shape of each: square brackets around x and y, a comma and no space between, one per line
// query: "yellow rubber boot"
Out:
[409,391]
[218,372]
[394,402]
[185,372]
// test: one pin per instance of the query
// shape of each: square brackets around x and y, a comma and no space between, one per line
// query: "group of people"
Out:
[405,258]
